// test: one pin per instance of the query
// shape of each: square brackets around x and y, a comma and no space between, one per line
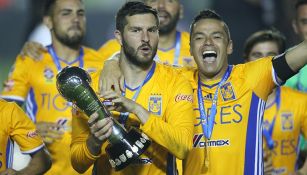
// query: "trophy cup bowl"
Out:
[73,83]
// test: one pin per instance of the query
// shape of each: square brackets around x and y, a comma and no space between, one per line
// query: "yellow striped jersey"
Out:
[34,82]
[16,126]
[168,97]
[235,146]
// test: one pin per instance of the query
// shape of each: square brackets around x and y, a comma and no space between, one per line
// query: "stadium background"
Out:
[243,17]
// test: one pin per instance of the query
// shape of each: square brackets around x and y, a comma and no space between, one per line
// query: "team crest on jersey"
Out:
[287,121]
[48,74]
[155,104]
[227,92]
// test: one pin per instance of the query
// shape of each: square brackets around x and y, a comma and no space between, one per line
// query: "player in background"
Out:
[16,126]
[157,98]
[34,82]
[285,116]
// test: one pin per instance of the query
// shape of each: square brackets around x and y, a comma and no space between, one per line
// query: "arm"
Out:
[111,76]
[297,57]
[88,136]
[39,164]
[23,132]
[176,124]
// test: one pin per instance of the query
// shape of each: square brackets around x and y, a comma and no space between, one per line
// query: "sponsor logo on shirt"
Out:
[184,97]
[281,170]
[199,141]
[287,121]
[155,104]
[208,97]
[32,134]
[227,92]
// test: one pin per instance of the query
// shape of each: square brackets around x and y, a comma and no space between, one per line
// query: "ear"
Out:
[294,25]
[118,37]
[48,22]
[230,47]
[181,12]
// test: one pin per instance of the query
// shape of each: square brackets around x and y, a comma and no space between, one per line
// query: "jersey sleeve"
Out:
[80,155]
[260,76]
[174,132]
[109,48]
[17,85]
[23,131]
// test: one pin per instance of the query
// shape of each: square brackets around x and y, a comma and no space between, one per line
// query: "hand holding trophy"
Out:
[73,83]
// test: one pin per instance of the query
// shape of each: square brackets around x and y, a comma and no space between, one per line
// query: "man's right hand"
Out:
[49,131]
[100,131]
[111,78]
[33,50]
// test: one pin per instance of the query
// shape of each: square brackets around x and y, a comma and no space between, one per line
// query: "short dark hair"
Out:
[133,8]
[209,14]
[262,36]
[300,3]
[49,6]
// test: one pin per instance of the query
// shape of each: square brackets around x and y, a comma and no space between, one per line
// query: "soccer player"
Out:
[173,44]
[16,126]
[230,100]
[285,117]
[34,82]
[157,97]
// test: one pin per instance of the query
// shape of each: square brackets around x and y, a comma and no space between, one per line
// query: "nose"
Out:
[161,4]
[145,36]
[208,41]
[76,18]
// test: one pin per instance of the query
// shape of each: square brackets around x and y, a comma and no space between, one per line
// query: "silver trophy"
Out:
[124,147]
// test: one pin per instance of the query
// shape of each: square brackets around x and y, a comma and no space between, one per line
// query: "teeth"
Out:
[209,52]
[209,56]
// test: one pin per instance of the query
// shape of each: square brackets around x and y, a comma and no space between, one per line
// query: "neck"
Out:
[167,41]
[64,52]
[271,98]
[205,78]
[134,75]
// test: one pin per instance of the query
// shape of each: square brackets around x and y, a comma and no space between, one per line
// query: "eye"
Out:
[153,30]
[217,37]
[81,13]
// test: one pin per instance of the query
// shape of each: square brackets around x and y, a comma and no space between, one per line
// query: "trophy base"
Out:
[122,153]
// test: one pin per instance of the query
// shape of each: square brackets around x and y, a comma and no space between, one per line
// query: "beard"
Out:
[169,27]
[131,55]
[73,42]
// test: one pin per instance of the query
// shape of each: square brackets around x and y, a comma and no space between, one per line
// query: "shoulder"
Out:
[110,43]
[172,75]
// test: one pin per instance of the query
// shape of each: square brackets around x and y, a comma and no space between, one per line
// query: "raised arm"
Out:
[288,64]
